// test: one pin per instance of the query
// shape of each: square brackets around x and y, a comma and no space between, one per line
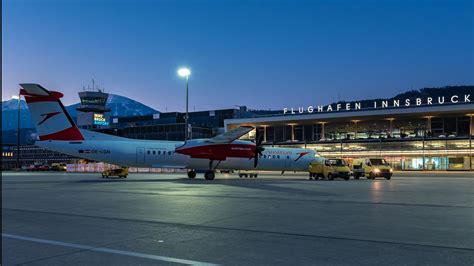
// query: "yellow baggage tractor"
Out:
[120,172]
[58,166]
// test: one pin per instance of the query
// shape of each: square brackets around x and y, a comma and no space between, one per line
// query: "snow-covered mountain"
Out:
[119,105]
[123,106]
[10,115]
[13,105]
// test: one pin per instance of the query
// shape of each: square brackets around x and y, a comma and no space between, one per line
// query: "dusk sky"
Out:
[263,54]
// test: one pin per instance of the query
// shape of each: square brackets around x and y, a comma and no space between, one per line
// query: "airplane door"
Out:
[288,162]
[140,155]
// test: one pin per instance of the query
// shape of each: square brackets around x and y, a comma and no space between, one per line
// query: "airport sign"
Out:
[379,104]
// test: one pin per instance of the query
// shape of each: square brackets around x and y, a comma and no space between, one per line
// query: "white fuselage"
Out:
[151,153]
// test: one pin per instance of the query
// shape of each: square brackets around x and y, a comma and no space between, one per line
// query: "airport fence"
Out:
[100,167]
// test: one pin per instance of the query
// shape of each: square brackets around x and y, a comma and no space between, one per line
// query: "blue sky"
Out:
[263,54]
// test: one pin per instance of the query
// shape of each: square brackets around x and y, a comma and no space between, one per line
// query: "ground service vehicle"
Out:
[329,168]
[226,171]
[58,167]
[120,172]
[371,168]
[243,173]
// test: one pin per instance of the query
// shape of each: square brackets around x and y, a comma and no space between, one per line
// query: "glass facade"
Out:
[163,132]
[93,101]
[388,128]
[409,143]
[402,155]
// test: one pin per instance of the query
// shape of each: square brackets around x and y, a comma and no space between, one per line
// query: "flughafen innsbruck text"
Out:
[237,132]
[440,100]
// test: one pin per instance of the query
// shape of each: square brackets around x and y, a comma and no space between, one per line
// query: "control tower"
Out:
[92,111]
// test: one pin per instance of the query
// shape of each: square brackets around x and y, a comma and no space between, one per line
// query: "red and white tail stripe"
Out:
[51,119]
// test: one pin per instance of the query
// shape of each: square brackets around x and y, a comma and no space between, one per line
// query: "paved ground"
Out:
[68,219]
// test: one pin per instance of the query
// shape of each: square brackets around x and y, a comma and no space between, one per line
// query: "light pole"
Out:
[17,97]
[185,72]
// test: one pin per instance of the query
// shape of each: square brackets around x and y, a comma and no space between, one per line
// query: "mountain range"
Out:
[119,105]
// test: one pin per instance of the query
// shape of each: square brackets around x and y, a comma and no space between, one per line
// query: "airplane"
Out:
[58,132]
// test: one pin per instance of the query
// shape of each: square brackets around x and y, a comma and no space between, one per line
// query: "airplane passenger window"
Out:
[278,156]
[288,157]
[148,152]
[159,152]
[154,152]
[169,153]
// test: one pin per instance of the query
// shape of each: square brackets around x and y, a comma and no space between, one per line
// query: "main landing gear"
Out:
[209,175]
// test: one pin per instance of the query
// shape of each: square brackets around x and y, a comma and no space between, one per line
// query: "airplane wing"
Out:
[230,135]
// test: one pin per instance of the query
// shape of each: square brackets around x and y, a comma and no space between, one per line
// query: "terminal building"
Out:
[32,155]
[170,125]
[413,133]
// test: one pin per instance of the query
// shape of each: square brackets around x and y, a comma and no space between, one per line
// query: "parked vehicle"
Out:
[329,168]
[120,172]
[371,168]
[38,167]
[44,167]
[58,167]
[251,174]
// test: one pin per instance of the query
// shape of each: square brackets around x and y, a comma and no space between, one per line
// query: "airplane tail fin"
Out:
[51,119]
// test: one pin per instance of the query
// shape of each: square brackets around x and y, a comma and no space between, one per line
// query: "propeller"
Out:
[258,147]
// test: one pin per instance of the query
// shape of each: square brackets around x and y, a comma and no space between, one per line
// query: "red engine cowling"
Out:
[218,152]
